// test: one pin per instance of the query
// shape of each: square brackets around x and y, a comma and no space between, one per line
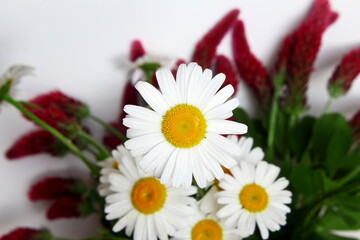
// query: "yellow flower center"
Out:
[115,165]
[148,195]
[184,126]
[207,230]
[254,198]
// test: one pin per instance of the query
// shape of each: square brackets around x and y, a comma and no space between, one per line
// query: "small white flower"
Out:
[248,154]
[13,75]
[207,225]
[144,206]
[110,165]
[181,136]
[136,70]
[252,195]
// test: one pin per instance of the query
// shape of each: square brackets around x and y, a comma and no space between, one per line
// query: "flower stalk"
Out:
[94,170]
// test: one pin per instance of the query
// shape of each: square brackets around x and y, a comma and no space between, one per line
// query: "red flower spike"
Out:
[205,49]
[223,65]
[56,99]
[24,234]
[130,96]
[249,67]
[299,51]
[65,207]
[39,141]
[136,51]
[345,73]
[52,188]
[355,125]
[54,117]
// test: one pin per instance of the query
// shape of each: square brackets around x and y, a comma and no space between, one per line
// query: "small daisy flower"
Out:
[110,165]
[206,225]
[181,135]
[144,206]
[12,77]
[253,195]
[248,153]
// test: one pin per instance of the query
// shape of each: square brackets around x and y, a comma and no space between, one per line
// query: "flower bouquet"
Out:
[183,161]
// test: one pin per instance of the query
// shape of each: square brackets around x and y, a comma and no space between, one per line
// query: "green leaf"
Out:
[302,179]
[339,144]
[324,128]
[328,184]
[340,218]
[300,136]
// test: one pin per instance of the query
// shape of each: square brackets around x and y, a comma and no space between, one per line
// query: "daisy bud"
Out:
[345,73]
[39,141]
[72,107]
[355,125]
[136,50]
[249,67]
[223,65]
[65,207]
[54,187]
[205,49]
[22,233]
[299,51]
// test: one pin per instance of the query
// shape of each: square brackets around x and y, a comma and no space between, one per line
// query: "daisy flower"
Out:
[252,195]
[144,206]
[205,224]
[180,136]
[11,77]
[248,153]
[109,165]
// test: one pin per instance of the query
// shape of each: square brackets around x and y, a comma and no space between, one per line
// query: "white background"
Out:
[77,46]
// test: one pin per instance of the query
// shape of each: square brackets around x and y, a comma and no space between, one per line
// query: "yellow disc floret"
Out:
[254,198]
[207,229]
[115,165]
[184,126]
[148,195]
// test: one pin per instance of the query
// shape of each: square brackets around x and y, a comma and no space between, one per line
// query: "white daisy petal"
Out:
[168,86]
[152,96]
[219,98]
[209,90]
[224,143]
[226,127]
[142,113]
[223,110]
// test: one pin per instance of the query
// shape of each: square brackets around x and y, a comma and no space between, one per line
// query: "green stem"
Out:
[272,123]
[108,127]
[350,176]
[54,132]
[291,124]
[328,105]
[103,151]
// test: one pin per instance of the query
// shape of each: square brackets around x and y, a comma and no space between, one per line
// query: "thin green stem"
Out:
[328,105]
[73,148]
[108,127]
[103,151]
[272,123]
[350,176]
